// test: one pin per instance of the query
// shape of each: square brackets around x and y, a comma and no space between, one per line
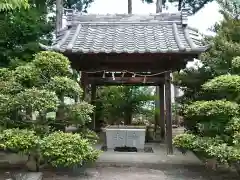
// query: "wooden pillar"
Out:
[162,111]
[157,107]
[84,86]
[93,102]
[168,102]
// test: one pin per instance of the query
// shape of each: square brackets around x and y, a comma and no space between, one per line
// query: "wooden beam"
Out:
[141,67]
[125,80]
[131,62]
[168,101]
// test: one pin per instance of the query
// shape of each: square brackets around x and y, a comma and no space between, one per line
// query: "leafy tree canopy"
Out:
[80,5]
[21,32]
[193,5]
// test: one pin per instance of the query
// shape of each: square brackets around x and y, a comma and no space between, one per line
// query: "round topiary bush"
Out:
[61,149]
[18,140]
[184,141]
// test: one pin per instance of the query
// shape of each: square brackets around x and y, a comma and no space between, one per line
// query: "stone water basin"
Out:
[121,136]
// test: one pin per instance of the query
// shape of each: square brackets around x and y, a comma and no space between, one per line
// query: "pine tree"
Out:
[214,122]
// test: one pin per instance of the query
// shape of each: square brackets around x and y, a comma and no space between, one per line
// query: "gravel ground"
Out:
[114,173]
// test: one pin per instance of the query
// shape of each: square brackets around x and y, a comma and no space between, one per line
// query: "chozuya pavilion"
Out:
[125,49]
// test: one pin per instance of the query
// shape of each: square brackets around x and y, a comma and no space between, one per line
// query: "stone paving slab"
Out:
[113,173]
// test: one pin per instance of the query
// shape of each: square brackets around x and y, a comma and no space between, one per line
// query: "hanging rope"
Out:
[125,71]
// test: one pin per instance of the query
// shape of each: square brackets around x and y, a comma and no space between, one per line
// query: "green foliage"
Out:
[127,101]
[64,86]
[208,147]
[224,86]
[212,109]
[79,113]
[90,135]
[52,64]
[21,32]
[209,118]
[214,120]
[80,5]
[67,150]
[16,140]
[190,80]
[13,4]
[236,64]
[39,100]
[10,87]
[225,153]
[201,144]
[224,83]
[27,75]
[236,139]
[184,141]
[5,74]
[39,87]
[5,103]
[193,5]
[230,8]
[226,43]
[233,125]
[59,149]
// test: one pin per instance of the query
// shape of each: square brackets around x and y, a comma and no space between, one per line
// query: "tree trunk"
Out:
[59,9]
[60,115]
[29,113]
[33,162]
[129,6]
[128,118]
[179,5]
[159,6]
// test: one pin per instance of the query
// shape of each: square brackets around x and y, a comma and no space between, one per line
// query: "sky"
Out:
[203,20]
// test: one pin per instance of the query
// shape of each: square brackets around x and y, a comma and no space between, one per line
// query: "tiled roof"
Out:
[156,33]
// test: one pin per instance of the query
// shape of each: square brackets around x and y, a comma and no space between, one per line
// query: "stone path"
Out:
[114,173]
